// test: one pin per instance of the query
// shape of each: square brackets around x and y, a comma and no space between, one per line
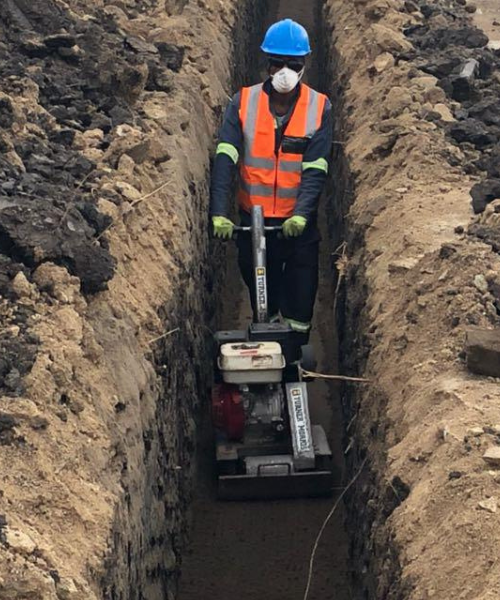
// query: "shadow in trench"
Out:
[261,550]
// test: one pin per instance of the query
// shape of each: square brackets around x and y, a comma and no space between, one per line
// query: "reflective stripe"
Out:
[321,164]
[287,192]
[230,150]
[259,163]
[251,120]
[297,325]
[267,191]
[291,166]
[312,113]
[257,189]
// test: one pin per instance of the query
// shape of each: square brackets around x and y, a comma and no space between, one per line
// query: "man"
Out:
[278,135]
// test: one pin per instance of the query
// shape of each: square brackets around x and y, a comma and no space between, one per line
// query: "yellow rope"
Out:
[314,375]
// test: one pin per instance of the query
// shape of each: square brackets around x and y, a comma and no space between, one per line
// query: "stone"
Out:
[128,191]
[66,589]
[434,95]
[471,8]
[475,431]
[390,40]
[473,131]
[397,100]
[492,456]
[483,193]
[19,541]
[480,283]
[383,62]
[482,347]
[490,504]
[21,286]
[444,112]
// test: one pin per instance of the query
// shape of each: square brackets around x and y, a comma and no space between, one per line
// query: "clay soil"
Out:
[108,115]
[415,143]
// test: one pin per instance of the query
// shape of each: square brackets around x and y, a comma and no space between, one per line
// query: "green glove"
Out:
[294,226]
[223,228]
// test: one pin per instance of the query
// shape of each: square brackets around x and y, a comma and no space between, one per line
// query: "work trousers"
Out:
[292,272]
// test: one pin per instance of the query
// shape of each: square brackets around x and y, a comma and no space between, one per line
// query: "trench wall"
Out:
[400,197]
[98,439]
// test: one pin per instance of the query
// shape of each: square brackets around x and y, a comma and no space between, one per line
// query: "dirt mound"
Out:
[408,153]
[107,115]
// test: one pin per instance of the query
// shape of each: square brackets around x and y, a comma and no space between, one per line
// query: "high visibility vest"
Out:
[268,178]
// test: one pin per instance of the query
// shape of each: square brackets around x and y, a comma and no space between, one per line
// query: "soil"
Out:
[413,287]
[107,118]
[108,113]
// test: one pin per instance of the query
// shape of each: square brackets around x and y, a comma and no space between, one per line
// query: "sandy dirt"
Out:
[104,153]
[424,519]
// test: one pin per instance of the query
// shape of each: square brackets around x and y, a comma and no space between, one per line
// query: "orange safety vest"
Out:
[267,178]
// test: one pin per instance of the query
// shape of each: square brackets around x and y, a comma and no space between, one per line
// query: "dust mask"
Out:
[286,80]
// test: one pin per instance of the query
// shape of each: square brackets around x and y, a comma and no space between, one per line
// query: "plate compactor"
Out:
[266,446]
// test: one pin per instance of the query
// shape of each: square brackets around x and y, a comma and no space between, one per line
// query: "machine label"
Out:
[301,421]
[260,279]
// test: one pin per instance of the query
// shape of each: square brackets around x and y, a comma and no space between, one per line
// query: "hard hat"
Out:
[287,38]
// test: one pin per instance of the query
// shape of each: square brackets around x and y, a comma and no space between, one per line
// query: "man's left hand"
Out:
[294,226]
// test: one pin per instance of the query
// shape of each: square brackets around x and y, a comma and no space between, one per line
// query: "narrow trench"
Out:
[256,550]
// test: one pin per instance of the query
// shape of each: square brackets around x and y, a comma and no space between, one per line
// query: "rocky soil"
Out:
[107,117]
[417,174]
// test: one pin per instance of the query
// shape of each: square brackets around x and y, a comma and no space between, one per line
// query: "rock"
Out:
[480,283]
[471,8]
[390,40]
[454,475]
[93,138]
[21,286]
[444,112]
[171,55]
[128,191]
[492,456]
[19,541]
[383,62]
[482,347]
[473,131]
[7,422]
[140,46]
[59,40]
[434,95]
[475,431]
[490,505]
[483,193]
[66,589]
[398,99]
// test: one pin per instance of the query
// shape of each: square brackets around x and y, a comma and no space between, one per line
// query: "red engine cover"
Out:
[228,412]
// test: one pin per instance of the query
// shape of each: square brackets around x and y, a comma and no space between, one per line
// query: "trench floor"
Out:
[261,550]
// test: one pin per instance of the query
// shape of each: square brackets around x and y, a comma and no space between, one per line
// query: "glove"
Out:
[294,226]
[223,228]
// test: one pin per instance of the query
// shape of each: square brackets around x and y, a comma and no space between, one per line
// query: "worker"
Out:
[278,135]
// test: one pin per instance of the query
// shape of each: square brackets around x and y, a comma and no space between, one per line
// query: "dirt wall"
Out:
[109,112]
[423,516]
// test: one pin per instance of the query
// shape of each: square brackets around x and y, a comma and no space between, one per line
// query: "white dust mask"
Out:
[286,80]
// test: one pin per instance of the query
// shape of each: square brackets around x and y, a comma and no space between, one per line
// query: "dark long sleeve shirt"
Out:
[225,169]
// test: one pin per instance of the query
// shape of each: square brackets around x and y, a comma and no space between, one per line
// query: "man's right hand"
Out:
[223,227]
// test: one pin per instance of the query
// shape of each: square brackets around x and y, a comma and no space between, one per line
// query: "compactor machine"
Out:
[266,446]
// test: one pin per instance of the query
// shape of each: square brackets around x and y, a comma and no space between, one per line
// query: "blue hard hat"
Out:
[287,38]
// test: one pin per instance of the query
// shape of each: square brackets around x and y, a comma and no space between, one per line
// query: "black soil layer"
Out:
[450,48]
[85,74]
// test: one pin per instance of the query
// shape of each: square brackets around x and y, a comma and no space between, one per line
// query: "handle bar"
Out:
[249,229]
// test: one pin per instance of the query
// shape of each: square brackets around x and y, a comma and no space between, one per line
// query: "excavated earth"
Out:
[108,112]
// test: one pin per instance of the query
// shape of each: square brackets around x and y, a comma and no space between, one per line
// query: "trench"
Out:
[259,550]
